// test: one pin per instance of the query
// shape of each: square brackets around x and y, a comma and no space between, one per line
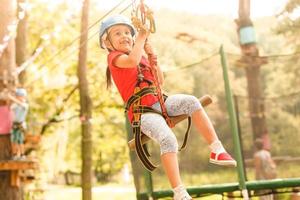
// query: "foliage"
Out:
[53,75]
[289,21]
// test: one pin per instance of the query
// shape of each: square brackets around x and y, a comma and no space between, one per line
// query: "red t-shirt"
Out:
[5,120]
[126,79]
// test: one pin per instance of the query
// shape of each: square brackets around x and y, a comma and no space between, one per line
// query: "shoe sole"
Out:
[223,163]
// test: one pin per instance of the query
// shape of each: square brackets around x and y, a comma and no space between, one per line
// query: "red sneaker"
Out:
[222,159]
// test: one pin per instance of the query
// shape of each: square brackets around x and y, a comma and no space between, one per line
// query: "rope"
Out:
[78,37]
[292,94]
[266,56]
[140,23]
[215,52]
[41,45]
[141,15]
[72,52]
[51,120]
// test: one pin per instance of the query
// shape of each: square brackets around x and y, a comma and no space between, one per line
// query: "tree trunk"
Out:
[256,103]
[7,65]
[255,93]
[21,42]
[7,60]
[85,108]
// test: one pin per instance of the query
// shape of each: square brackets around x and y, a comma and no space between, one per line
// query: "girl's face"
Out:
[119,38]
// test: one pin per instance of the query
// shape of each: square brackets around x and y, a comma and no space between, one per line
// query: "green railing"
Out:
[242,186]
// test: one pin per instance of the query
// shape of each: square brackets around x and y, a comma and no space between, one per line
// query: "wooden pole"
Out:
[21,41]
[250,56]
[7,65]
[85,108]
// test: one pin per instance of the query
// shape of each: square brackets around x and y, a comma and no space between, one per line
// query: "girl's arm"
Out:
[14,99]
[134,57]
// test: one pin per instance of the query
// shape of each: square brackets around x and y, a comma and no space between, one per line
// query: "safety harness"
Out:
[137,109]
[142,18]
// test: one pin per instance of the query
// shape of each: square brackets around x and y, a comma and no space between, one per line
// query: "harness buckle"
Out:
[135,124]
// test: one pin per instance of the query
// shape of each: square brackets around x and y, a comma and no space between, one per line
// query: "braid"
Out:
[108,78]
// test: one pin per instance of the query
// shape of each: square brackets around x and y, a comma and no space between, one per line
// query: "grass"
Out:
[111,192]
[123,191]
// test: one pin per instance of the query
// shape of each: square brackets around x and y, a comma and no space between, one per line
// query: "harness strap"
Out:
[186,135]
[136,96]
[138,110]
[145,109]
[140,147]
[140,150]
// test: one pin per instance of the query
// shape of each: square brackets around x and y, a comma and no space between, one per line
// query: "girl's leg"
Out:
[204,126]
[170,164]
[155,127]
[187,104]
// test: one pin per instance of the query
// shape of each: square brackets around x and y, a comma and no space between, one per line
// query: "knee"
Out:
[194,104]
[169,144]
[195,100]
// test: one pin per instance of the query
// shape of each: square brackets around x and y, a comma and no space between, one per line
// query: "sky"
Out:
[259,8]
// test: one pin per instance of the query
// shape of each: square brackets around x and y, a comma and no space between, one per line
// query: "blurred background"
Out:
[187,41]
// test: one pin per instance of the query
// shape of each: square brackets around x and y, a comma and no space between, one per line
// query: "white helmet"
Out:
[21,92]
[111,21]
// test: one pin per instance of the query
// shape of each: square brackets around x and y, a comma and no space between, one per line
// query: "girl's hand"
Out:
[151,56]
[143,32]
[148,48]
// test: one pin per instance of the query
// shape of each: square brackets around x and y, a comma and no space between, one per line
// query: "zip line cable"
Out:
[74,40]
[270,98]
[58,111]
[78,37]
[131,4]
[41,44]
[267,56]
[72,52]
[215,52]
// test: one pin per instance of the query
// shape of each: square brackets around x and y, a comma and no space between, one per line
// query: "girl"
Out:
[126,65]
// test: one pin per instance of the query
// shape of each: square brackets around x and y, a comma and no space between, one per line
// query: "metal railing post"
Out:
[234,127]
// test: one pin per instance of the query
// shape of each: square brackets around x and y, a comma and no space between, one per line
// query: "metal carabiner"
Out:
[142,16]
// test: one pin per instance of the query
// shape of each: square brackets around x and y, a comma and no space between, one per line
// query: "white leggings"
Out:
[155,126]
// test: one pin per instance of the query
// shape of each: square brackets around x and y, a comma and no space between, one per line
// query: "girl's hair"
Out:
[108,78]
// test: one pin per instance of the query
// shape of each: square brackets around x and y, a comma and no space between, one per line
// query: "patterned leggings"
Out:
[155,127]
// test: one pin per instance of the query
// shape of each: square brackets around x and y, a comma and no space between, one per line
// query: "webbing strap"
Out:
[145,109]
[138,95]
[186,135]
[142,154]
[138,109]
